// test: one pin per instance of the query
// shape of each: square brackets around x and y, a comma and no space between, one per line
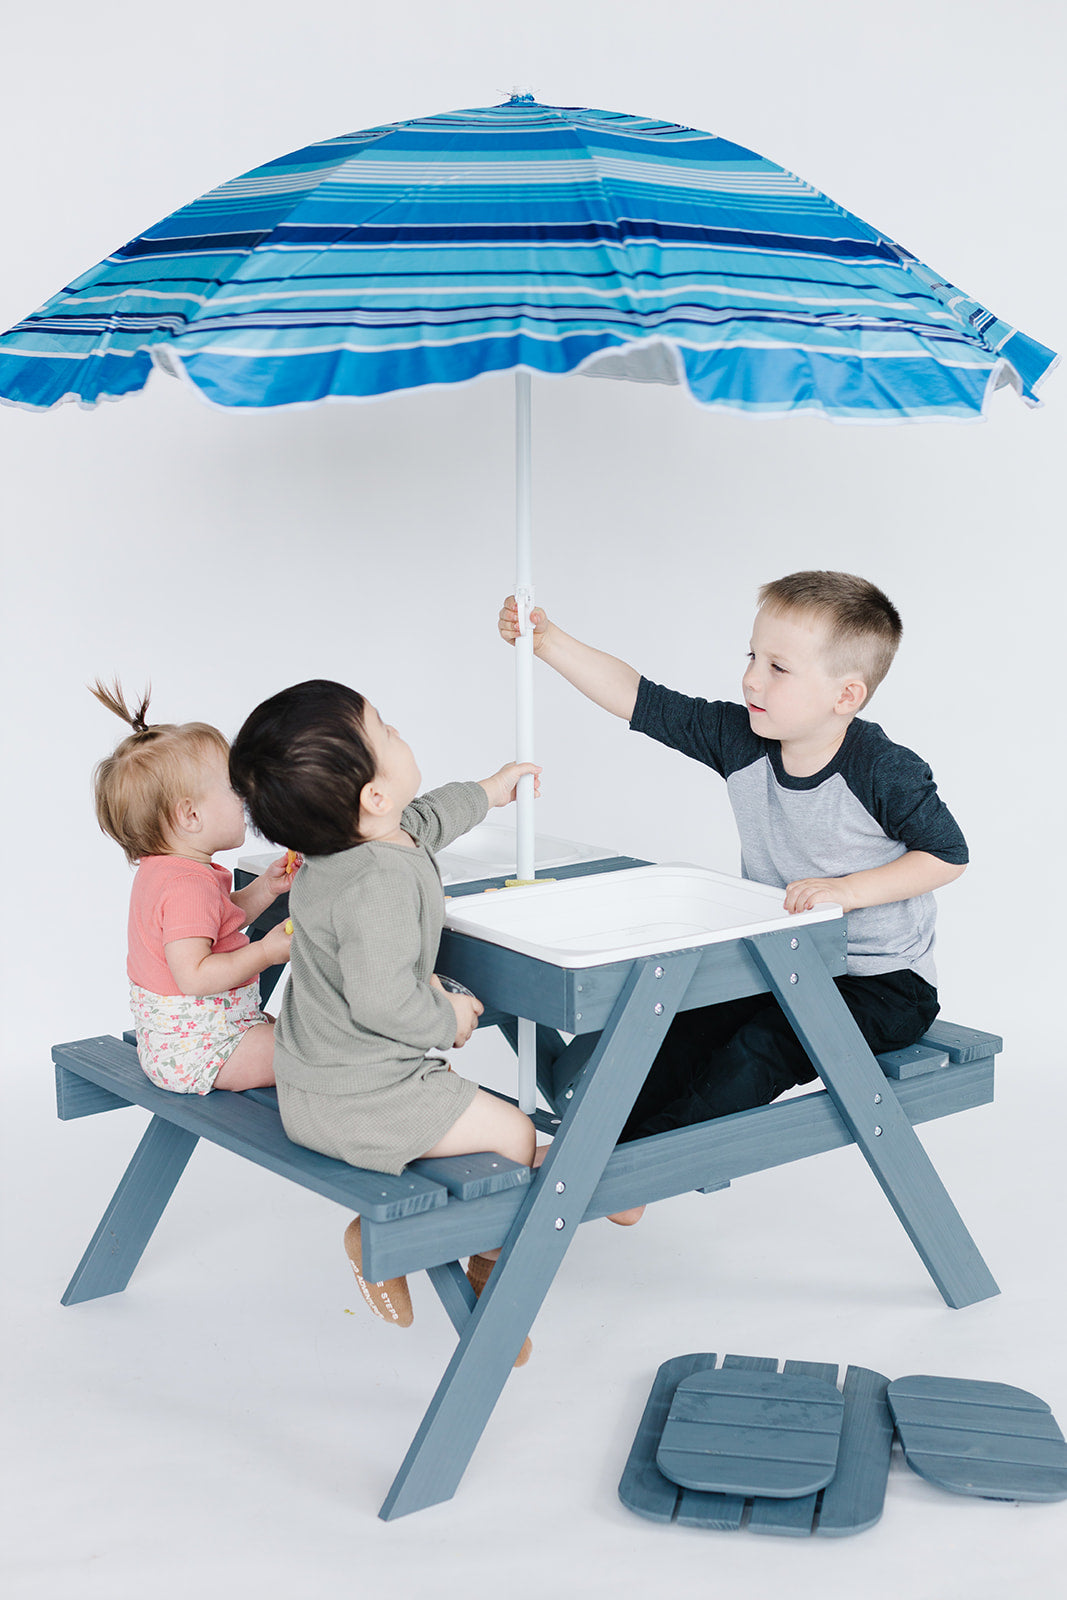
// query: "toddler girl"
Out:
[320,771]
[164,795]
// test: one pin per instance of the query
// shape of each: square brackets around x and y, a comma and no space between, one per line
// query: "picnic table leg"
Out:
[559,1194]
[871,1112]
[130,1219]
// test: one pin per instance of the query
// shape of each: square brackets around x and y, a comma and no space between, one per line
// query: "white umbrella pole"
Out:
[524,722]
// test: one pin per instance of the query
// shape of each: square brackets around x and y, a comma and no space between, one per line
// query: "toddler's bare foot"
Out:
[389,1299]
[626,1219]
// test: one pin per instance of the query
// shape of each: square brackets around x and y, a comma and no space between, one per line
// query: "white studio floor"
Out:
[231,1423]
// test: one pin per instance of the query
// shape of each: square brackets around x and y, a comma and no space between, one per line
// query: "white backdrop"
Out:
[226,556]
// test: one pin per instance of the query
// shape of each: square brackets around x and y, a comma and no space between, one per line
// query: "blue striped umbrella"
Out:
[522,236]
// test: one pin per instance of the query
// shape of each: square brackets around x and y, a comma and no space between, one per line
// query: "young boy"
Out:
[828,809]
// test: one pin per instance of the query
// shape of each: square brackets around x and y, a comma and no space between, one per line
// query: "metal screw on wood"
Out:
[877,1133]
[877,1099]
[658,972]
[658,1009]
[793,978]
[794,944]
[560,1224]
[560,1187]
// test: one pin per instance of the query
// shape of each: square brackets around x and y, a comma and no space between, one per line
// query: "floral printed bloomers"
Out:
[184,1039]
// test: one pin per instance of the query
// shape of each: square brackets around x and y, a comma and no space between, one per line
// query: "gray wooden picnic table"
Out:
[616,1016]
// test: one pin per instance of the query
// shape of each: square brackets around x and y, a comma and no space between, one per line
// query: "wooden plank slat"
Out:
[642,1487]
[853,1501]
[913,1061]
[249,1128]
[986,1439]
[792,1518]
[700,1508]
[469,1177]
[962,1044]
[752,1433]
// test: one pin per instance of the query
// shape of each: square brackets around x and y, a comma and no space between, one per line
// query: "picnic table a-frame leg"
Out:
[136,1206]
[531,1256]
[870,1110]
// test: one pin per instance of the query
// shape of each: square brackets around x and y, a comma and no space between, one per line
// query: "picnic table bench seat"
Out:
[437,1211]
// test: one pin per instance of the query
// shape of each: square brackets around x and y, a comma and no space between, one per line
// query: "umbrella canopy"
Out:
[546,238]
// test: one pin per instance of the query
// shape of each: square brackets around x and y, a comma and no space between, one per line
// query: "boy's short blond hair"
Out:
[138,787]
[863,627]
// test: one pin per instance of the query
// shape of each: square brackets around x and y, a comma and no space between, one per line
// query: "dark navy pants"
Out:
[744,1053]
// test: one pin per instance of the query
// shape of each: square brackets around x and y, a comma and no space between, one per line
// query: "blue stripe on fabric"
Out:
[319,236]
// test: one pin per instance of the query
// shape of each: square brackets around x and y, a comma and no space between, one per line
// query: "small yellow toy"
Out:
[289,926]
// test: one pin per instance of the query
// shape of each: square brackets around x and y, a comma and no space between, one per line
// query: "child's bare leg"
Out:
[250,1065]
[489,1124]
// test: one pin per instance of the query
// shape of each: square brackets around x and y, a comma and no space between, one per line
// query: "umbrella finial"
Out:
[521,97]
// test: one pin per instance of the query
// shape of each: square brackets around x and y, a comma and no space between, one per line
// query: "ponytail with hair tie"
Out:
[115,701]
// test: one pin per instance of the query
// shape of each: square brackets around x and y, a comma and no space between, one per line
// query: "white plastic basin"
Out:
[615,916]
[488,851]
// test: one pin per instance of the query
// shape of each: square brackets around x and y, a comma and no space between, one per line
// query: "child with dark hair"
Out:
[322,773]
[164,795]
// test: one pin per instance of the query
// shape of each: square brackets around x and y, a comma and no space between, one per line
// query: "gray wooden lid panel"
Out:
[752,1433]
[985,1439]
[853,1500]
[642,1487]
[792,1518]
[709,1508]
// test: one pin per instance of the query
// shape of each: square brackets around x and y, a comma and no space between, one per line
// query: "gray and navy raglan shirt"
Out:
[873,802]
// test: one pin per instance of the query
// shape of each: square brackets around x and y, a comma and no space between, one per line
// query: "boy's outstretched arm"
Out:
[915,872]
[603,679]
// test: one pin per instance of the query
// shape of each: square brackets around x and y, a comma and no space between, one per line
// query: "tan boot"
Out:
[478,1270]
[390,1299]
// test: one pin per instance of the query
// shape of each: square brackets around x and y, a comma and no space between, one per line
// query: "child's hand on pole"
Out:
[508,623]
[501,786]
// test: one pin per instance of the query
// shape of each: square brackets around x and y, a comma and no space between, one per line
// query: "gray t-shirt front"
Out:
[873,802]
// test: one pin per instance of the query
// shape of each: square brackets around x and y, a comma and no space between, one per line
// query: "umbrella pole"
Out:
[524,722]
